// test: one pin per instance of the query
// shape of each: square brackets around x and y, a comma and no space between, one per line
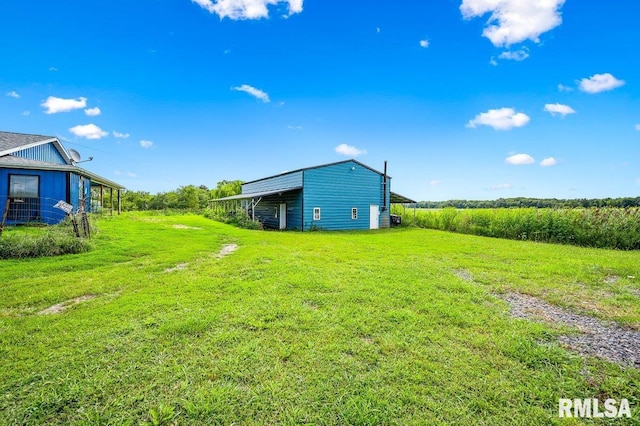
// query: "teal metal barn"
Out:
[38,176]
[337,196]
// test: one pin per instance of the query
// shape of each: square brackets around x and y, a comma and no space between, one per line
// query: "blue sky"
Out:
[466,99]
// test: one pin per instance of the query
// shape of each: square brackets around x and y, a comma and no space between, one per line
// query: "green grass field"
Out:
[362,328]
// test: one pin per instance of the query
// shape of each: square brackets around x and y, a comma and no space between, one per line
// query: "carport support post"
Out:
[253,210]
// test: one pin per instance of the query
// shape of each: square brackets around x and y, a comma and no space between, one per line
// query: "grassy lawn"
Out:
[360,328]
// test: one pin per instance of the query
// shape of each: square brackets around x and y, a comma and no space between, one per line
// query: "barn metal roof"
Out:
[318,167]
[252,195]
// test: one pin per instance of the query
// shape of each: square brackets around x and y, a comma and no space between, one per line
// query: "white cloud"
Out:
[92,112]
[493,61]
[517,55]
[435,182]
[563,110]
[424,43]
[600,83]
[350,151]
[25,113]
[55,105]
[88,131]
[501,187]
[247,9]
[120,135]
[294,127]
[520,159]
[257,93]
[146,144]
[13,94]
[500,119]
[514,21]
[563,88]
[548,162]
[130,174]
[53,69]
[638,127]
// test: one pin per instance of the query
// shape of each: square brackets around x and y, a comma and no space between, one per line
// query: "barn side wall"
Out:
[338,188]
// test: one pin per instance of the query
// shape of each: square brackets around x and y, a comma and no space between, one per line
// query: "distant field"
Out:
[404,326]
[606,227]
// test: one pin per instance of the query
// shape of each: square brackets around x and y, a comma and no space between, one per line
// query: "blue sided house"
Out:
[337,196]
[40,181]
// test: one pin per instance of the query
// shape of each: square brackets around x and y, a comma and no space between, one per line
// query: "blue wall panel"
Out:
[338,188]
[47,153]
[53,188]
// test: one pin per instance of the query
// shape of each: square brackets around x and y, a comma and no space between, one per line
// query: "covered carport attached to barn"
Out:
[396,198]
[268,207]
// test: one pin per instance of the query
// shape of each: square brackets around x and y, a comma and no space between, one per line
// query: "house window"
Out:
[24,193]
[275,212]
[316,213]
[354,213]
[23,186]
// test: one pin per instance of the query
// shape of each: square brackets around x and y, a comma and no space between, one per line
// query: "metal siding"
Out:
[265,211]
[288,181]
[336,189]
[53,188]
[74,190]
[47,153]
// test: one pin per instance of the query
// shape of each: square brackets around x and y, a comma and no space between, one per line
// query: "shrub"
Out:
[47,241]
[239,219]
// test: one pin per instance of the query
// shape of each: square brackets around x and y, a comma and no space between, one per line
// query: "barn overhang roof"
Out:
[400,199]
[252,195]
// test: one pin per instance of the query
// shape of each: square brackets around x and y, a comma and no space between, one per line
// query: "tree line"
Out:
[193,197]
[532,202]
[189,197]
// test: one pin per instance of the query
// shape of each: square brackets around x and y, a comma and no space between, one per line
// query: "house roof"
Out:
[13,142]
[318,167]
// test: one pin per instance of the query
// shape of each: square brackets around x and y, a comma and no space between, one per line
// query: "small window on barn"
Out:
[275,214]
[354,213]
[316,213]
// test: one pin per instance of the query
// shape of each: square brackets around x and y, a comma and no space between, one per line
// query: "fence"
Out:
[43,211]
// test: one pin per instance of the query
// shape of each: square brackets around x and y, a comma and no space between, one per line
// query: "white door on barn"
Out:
[283,216]
[374,217]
